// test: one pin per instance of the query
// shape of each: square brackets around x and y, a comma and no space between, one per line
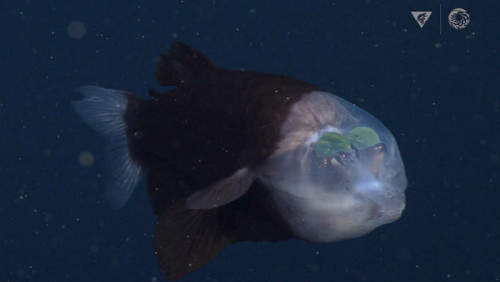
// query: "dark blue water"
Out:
[438,93]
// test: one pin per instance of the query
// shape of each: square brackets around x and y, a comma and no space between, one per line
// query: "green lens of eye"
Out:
[331,143]
[362,137]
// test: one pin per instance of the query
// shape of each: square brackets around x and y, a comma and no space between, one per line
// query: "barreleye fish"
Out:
[233,156]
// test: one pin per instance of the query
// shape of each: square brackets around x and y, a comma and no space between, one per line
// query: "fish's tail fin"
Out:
[103,110]
[181,64]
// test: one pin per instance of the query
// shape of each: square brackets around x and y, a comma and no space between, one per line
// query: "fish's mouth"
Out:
[390,214]
[388,206]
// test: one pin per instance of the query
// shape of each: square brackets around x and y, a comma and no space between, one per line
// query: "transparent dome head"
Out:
[336,159]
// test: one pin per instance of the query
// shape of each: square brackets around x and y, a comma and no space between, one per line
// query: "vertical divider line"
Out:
[440,27]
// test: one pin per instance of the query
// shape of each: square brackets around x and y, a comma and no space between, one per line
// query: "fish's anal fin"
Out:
[103,110]
[223,191]
[181,64]
[185,239]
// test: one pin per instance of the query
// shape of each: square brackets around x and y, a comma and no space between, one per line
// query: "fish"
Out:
[232,156]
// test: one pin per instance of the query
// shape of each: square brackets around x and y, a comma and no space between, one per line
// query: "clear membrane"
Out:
[337,172]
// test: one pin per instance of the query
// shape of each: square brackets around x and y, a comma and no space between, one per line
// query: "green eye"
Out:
[331,143]
[362,137]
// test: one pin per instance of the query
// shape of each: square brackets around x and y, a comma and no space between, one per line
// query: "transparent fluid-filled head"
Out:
[337,172]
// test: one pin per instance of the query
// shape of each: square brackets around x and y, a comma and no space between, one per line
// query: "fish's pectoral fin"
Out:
[186,239]
[223,191]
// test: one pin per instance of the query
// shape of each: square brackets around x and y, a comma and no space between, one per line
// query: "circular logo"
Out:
[458,18]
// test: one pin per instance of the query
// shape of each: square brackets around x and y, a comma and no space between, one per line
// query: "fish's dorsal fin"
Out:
[181,64]
[186,239]
[223,191]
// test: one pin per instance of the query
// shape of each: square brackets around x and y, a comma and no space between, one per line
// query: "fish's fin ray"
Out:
[223,191]
[184,239]
[103,110]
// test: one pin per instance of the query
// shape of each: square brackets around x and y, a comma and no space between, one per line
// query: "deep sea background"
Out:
[439,94]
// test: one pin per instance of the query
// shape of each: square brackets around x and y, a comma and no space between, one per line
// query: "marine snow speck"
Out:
[234,156]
